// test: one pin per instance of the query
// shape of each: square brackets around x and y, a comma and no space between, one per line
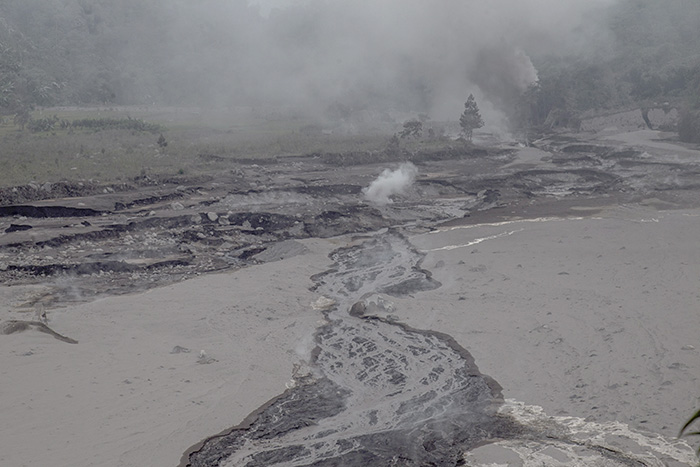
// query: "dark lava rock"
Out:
[586,148]
[303,406]
[326,190]
[17,228]
[47,211]
[264,220]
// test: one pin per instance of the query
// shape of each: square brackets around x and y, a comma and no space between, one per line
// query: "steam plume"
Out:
[417,55]
[334,58]
[391,182]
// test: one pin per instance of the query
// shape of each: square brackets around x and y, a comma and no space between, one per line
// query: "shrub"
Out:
[98,124]
[688,431]
[41,124]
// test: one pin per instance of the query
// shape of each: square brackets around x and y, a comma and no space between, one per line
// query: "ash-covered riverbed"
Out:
[378,392]
[380,386]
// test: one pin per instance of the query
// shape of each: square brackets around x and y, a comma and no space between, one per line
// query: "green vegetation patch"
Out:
[36,125]
[131,124]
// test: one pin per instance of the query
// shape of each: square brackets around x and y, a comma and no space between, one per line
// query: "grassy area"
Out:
[197,142]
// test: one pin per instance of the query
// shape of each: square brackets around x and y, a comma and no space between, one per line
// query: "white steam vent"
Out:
[390,183]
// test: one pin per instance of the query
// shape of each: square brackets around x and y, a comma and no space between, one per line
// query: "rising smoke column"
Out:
[390,183]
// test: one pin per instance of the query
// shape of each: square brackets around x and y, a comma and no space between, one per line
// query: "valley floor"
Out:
[569,271]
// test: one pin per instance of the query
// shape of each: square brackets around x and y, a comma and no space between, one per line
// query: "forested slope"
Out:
[653,59]
[126,52]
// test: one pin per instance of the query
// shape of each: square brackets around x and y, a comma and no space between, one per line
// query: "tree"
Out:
[412,128]
[394,146]
[161,141]
[470,119]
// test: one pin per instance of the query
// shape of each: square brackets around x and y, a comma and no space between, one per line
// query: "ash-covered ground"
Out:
[375,387]
[85,240]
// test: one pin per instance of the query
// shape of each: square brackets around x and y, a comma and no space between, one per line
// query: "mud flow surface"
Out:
[373,391]
[88,240]
[379,393]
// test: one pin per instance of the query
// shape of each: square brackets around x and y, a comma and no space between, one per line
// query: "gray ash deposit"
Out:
[378,392]
[374,391]
[113,239]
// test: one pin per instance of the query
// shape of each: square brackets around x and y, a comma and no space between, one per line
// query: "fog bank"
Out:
[412,55]
[371,55]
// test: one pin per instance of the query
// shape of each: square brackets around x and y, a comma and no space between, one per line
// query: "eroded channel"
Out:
[379,392]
